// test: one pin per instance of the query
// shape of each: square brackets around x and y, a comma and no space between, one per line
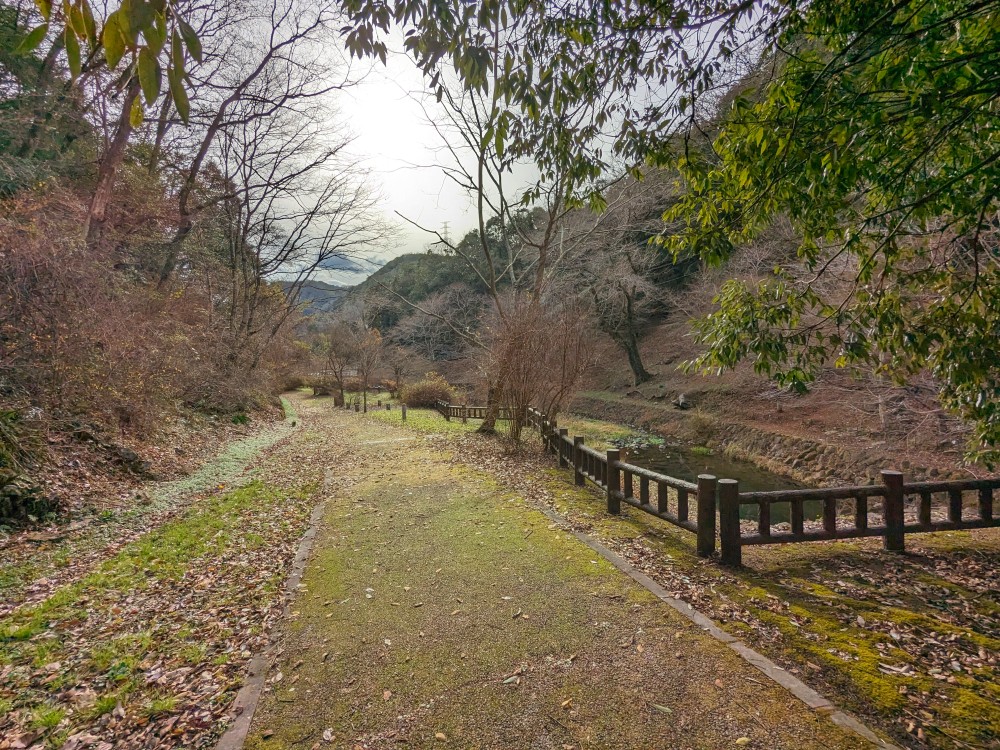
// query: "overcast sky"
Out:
[399,146]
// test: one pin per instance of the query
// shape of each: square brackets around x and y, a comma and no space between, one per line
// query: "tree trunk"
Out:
[489,425]
[630,343]
[112,160]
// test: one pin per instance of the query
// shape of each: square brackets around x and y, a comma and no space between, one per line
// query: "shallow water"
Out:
[682,463]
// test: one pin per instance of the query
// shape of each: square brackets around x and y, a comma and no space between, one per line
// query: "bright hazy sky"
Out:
[395,141]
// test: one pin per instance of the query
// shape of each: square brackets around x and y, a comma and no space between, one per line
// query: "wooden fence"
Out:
[465,413]
[712,503]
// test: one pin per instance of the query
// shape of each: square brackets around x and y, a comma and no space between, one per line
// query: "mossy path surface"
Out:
[440,610]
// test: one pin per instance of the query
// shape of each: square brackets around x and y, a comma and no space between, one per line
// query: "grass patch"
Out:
[424,420]
[166,602]
[219,472]
[158,706]
[47,717]
[597,433]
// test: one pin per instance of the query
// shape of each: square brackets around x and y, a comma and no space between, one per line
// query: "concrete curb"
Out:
[790,682]
[248,697]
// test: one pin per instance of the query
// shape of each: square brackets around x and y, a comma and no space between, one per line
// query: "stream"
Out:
[683,463]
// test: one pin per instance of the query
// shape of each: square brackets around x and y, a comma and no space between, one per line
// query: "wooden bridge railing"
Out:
[847,512]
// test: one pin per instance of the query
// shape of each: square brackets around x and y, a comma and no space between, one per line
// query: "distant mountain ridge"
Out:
[319,296]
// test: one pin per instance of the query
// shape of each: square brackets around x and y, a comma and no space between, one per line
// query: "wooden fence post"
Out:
[614,483]
[730,536]
[465,413]
[706,514]
[403,410]
[986,504]
[388,407]
[563,432]
[578,477]
[892,510]
[447,412]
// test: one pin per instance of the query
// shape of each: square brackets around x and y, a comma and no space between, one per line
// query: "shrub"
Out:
[352,385]
[428,392]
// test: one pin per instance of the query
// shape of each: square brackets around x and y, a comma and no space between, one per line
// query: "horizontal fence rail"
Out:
[849,513]
[889,510]
[466,413]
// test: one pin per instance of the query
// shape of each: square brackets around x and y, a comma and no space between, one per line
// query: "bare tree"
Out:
[400,363]
[368,344]
[614,263]
[273,61]
[444,324]
[340,351]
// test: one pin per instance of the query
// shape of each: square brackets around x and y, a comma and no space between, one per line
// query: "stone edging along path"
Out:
[781,676]
[250,694]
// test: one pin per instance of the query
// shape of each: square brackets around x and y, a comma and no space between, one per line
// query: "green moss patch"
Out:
[440,610]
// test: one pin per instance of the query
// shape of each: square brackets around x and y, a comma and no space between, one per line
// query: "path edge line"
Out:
[245,704]
[772,671]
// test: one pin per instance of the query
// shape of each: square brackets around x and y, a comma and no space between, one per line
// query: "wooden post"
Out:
[662,498]
[892,510]
[388,407]
[563,432]
[706,514]
[403,410]
[986,504]
[447,412]
[955,506]
[730,536]
[614,483]
[578,479]
[465,413]
[682,505]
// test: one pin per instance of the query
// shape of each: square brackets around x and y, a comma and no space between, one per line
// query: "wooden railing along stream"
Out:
[711,509]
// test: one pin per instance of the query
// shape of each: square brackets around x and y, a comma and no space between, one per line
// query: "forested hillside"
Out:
[158,235]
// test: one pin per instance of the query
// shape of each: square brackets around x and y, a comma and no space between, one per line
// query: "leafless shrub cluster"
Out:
[534,355]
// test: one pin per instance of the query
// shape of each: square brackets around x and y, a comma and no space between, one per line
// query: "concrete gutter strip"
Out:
[249,695]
